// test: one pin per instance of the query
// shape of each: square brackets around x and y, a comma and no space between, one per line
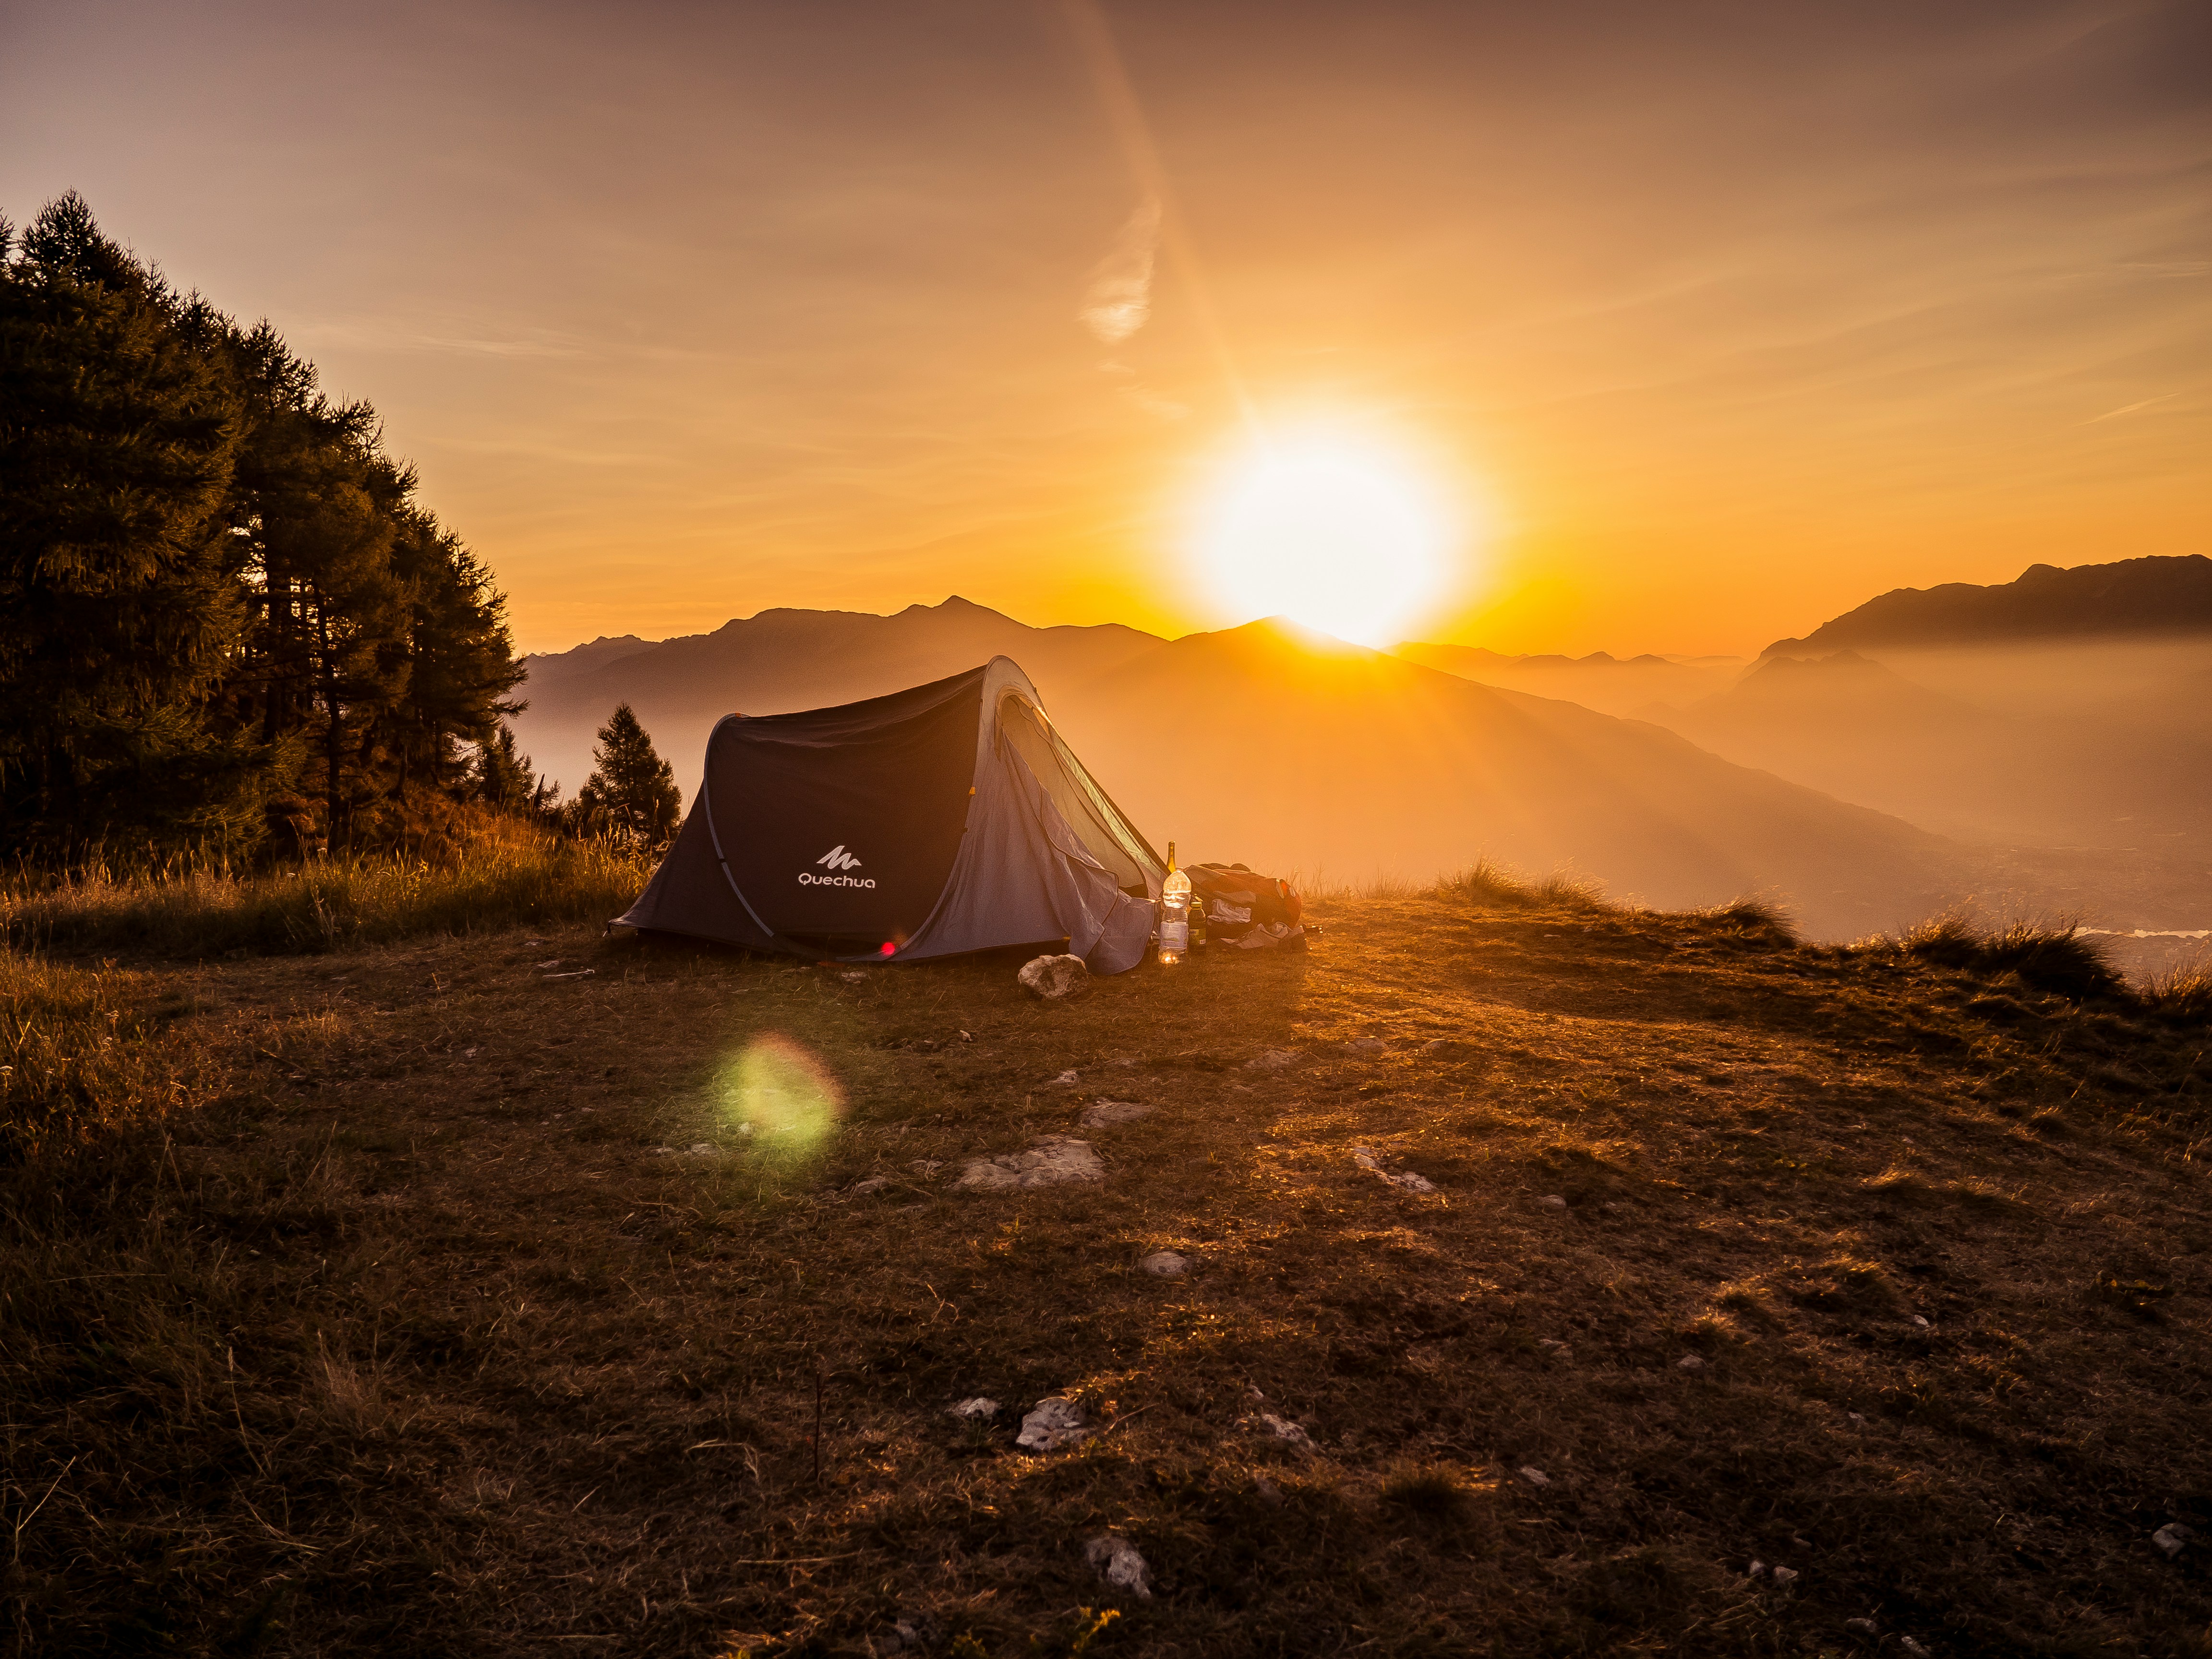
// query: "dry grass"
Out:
[512,876]
[2056,958]
[413,1338]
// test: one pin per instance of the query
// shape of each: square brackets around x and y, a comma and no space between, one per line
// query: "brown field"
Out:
[403,1331]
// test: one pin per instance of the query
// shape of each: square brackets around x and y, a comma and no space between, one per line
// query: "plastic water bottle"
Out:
[1174,913]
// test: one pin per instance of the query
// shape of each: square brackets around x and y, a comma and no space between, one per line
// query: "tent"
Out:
[949,817]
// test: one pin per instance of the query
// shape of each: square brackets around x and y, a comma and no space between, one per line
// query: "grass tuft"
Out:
[2053,957]
[2183,994]
[520,878]
[77,1055]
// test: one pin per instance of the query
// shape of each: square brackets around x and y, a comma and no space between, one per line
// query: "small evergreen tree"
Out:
[506,779]
[632,791]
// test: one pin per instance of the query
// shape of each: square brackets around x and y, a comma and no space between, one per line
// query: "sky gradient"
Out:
[1712,321]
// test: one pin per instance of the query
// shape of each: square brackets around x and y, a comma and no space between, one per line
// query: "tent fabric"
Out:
[944,818]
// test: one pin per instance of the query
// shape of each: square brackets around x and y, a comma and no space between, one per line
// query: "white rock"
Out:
[1051,1423]
[1854,1417]
[1923,1325]
[1289,1433]
[1066,1080]
[2173,1538]
[1535,1477]
[853,978]
[1754,1569]
[1271,1059]
[1052,1161]
[1056,979]
[1910,1646]
[703,1148]
[1863,1627]
[1101,1113]
[1119,1564]
[1404,1180]
[1689,1362]
[1166,1264]
[1785,1576]
[977,1410]
[1367,1045]
[1553,1201]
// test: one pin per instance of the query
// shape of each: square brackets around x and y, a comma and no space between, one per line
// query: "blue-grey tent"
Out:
[946,818]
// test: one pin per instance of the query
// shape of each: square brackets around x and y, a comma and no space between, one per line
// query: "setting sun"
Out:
[1337,535]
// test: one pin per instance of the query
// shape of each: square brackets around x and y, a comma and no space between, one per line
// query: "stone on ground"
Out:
[1553,1201]
[1689,1362]
[977,1410]
[2173,1538]
[1785,1576]
[1271,1059]
[1289,1433]
[1535,1477]
[1119,1564]
[1056,979]
[1101,1113]
[1367,1045]
[1405,1180]
[1052,1161]
[1051,1423]
[1166,1264]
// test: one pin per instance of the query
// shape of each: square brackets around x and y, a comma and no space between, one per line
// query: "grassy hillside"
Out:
[426,1296]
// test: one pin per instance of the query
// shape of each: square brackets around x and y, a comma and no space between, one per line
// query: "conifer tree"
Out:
[218,587]
[118,582]
[505,778]
[632,792]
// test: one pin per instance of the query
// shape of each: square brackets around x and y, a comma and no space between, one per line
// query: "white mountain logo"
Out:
[835,859]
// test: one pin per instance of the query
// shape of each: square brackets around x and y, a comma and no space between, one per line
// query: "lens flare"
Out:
[778,1093]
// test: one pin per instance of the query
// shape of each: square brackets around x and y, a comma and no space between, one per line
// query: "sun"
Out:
[1338,534]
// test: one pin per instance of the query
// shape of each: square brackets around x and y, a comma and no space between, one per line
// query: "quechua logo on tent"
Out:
[837,858]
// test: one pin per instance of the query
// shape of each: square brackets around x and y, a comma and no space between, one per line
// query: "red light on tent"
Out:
[890,946]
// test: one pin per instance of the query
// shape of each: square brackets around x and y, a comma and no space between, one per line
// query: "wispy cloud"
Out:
[1120,299]
[2129,408]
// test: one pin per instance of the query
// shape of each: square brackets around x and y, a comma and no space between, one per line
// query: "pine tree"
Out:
[119,438]
[506,779]
[632,792]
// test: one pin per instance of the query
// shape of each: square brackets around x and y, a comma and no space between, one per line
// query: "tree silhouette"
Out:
[632,791]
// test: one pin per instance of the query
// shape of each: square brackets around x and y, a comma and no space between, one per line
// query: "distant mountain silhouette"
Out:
[1599,681]
[546,667]
[2134,596]
[785,660]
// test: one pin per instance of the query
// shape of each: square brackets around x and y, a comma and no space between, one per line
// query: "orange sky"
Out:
[1728,316]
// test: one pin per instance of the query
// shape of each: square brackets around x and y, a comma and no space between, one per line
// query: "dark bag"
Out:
[1240,903]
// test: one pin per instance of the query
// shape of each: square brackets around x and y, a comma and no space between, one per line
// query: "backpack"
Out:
[1238,899]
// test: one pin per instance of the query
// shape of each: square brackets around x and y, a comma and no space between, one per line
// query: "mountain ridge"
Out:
[2156,594]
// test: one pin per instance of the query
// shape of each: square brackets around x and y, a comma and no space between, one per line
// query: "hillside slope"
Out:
[479,1311]
[1632,688]
[2149,596]
[1306,753]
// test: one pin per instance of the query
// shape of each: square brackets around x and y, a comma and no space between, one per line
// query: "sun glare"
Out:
[1339,536]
